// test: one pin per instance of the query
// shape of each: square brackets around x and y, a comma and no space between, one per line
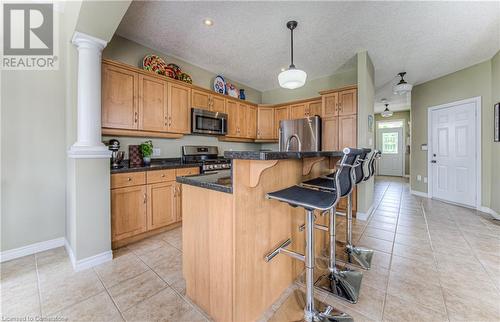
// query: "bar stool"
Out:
[311,199]
[342,283]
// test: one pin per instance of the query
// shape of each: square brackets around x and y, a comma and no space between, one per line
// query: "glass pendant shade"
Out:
[387,113]
[402,88]
[292,78]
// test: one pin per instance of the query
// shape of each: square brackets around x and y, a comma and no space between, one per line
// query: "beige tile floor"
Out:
[433,262]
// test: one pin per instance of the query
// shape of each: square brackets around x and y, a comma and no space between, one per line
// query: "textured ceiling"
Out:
[250,43]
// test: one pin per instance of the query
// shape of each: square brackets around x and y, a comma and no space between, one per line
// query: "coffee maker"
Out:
[116,155]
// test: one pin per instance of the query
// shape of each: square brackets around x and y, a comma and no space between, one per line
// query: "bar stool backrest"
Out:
[344,178]
[371,164]
[359,172]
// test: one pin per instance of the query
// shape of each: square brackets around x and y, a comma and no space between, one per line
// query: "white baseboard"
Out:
[80,265]
[31,249]
[363,215]
[490,211]
[419,193]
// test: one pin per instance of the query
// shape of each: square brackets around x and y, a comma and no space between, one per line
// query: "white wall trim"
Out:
[477,101]
[419,193]
[82,264]
[31,249]
[490,211]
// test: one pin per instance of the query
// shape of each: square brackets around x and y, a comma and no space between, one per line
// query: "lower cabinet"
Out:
[162,208]
[142,202]
[128,212]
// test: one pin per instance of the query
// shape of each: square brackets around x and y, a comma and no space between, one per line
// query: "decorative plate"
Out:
[177,70]
[155,64]
[169,72]
[185,78]
[220,85]
[232,90]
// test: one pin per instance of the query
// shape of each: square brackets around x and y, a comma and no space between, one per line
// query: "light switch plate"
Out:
[425,179]
[419,177]
[156,152]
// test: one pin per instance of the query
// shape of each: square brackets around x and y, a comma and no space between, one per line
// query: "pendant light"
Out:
[292,77]
[402,87]
[386,112]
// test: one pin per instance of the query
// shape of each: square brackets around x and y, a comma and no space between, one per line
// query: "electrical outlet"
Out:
[419,177]
[425,179]
[156,152]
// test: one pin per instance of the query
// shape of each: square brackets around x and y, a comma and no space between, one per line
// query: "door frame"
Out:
[404,141]
[477,102]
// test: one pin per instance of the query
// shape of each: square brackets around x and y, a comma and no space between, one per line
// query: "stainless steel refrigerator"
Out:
[300,134]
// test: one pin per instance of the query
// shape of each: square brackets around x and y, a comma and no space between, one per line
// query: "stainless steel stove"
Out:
[208,156]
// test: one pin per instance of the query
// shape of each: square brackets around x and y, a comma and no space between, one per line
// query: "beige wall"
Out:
[33,135]
[366,102]
[132,53]
[466,83]
[311,88]
[495,155]
[400,115]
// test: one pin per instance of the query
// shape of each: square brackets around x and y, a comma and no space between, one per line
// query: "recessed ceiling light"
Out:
[208,22]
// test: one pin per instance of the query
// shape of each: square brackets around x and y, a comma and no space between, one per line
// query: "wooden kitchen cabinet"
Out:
[217,104]
[119,98]
[298,111]
[200,99]
[232,110]
[128,212]
[161,206]
[179,108]
[348,129]
[153,108]
[330,130]
[330,104]
[265,123]
[348,102]
[207,101]
[314,108]
[280,113]
[251,121]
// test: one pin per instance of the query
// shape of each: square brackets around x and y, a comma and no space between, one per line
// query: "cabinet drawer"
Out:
[120,180]
[186,171]
[160,176]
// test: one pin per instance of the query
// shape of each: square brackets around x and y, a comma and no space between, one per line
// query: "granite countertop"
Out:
[156,164]
[277,155]
[218,181]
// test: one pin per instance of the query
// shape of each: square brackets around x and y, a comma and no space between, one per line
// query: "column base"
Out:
[89,152]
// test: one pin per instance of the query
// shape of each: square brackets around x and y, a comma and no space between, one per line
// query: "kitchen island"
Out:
[226,234]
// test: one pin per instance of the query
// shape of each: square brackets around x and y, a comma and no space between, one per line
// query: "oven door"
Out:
[207,122]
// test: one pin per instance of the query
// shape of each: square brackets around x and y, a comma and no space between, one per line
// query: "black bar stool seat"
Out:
[310,199]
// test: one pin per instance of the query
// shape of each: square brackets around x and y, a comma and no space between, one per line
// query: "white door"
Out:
[453,153]
[390,142]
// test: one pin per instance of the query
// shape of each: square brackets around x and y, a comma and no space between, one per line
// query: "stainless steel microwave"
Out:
[207,122]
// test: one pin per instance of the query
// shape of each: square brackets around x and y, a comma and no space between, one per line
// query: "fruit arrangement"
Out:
[156,64]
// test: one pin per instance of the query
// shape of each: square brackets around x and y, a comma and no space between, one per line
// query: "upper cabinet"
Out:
[265,123]
[280,113]
[207,101]
[119,98]
[298,111]
[348,102]
[242,120]
[153,110]
[314,108]
[251,121]
[233,129]
[330,104]
[179,109]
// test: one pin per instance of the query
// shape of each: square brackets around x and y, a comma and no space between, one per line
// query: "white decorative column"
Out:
[88,218]
[88,144]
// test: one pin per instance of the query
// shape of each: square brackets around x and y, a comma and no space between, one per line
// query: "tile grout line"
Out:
[38,285]
[171,287]
[109,294]
[435,260]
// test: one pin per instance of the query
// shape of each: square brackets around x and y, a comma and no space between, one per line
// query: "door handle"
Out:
[433,161]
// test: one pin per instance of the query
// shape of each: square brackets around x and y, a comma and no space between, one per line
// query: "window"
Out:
[389,124]
[390,143]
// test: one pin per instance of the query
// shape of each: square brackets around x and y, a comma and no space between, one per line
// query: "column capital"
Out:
[82,40]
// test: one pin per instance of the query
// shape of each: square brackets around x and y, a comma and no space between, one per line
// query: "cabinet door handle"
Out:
[136,117]
[145,197]
[129,179]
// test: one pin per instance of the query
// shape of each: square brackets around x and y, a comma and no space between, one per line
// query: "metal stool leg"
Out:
[355,255]
[344,284]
